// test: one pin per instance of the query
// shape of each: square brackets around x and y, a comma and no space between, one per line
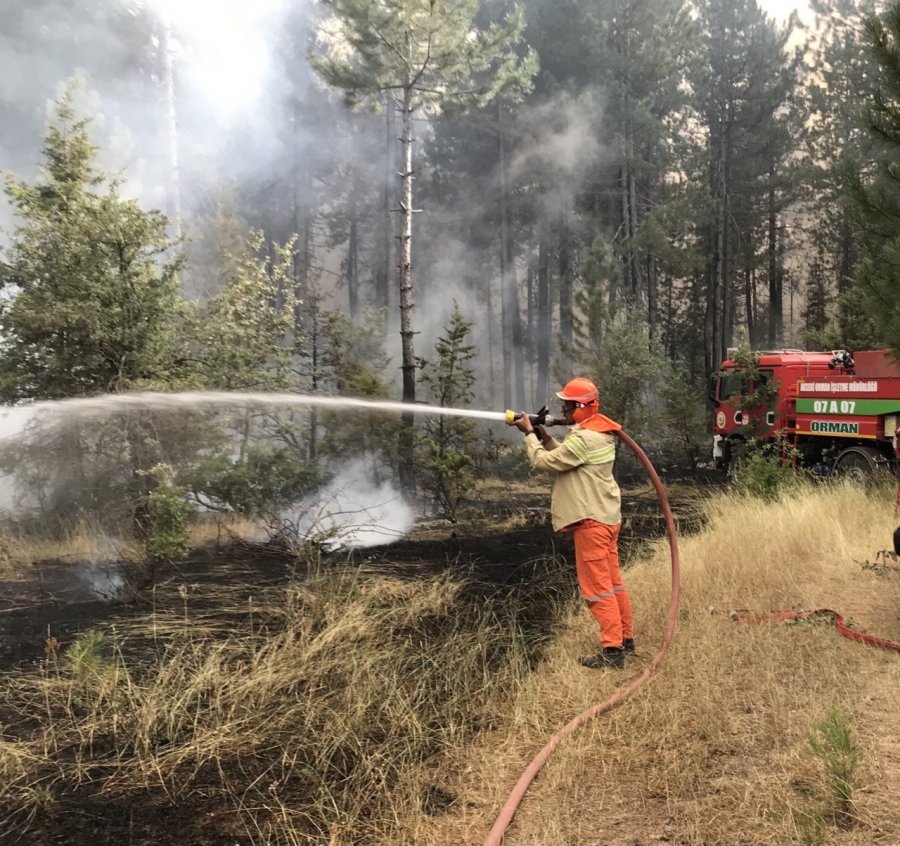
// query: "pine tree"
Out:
[743,88]
[640,54]
[875,195]
[839,76]
[818,296]
[244,341]
[348,362]
[94,304]
[245,333]
[627,365]
[448,441]
[425,54]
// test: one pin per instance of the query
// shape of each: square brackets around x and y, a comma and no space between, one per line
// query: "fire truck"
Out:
[833,412]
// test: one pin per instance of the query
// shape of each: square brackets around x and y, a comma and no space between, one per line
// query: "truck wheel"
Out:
[859,464]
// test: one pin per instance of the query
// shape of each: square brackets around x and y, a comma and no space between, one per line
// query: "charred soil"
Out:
[510,561]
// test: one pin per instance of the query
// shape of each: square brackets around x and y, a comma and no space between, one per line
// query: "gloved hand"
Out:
[523,423]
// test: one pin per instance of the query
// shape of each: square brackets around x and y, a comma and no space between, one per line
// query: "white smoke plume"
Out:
[352,511]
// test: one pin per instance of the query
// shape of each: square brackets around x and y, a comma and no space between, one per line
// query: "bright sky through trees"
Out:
[226,45]
[780,9]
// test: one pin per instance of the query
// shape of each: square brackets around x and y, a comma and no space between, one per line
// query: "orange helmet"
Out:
[583,392]
[580,390]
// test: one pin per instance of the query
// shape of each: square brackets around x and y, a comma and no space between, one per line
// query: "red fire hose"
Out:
[495,836]
[869,640]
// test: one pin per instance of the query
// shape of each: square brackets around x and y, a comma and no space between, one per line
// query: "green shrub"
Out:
[831,743]
[85,655]
[264,479]
[511,463]
[756,470]
[447,476]
[166,535]
[447,443]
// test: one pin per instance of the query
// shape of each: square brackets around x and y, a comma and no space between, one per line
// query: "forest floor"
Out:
[63,599]
[50,605]
[505,553]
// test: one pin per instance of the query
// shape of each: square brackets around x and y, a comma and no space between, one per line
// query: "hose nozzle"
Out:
[542,418]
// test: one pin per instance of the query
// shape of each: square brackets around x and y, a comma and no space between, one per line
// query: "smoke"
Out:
[252,115]
[452,270]
[224,49]
[229,89]
[553,147]
[353,511]
[560,144]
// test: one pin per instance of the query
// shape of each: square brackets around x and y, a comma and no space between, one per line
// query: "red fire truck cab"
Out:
[832,411]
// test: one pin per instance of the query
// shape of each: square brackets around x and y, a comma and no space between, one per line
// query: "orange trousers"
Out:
[600,580]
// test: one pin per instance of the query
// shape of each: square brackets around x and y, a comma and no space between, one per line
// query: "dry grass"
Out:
[84,543]
[19,551]
[332,715]
[222,528]
[714,749]
[314,717]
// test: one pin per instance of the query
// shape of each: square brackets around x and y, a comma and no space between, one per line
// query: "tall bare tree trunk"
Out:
[529,329]
[750,303]
[629,223]
[637,287]
[724,272]
[625,219]
[174,202]
[312,441]
[847,254]
[775,306]
[670,317]
[543,316]
[383,273]
[353,262]
[728,283]
[408,366]
[566,286]
[513,363]
[506,334]
[779,286]
[716,267]
[491,339]
[305,304]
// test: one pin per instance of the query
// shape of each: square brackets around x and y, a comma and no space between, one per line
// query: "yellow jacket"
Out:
[583,485]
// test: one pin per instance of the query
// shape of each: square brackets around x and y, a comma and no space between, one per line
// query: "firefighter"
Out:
[586,502]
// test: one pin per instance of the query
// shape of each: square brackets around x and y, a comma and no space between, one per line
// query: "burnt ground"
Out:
[61,601]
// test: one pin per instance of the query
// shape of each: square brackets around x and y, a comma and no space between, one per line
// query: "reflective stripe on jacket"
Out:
[583,486]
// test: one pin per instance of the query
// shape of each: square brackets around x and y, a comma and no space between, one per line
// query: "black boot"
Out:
[609,656]
[628,645]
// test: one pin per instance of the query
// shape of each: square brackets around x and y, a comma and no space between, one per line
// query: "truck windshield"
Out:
[730,384]
[766,377]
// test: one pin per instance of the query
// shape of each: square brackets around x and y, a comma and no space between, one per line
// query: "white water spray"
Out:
[93,407]
[356,514]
